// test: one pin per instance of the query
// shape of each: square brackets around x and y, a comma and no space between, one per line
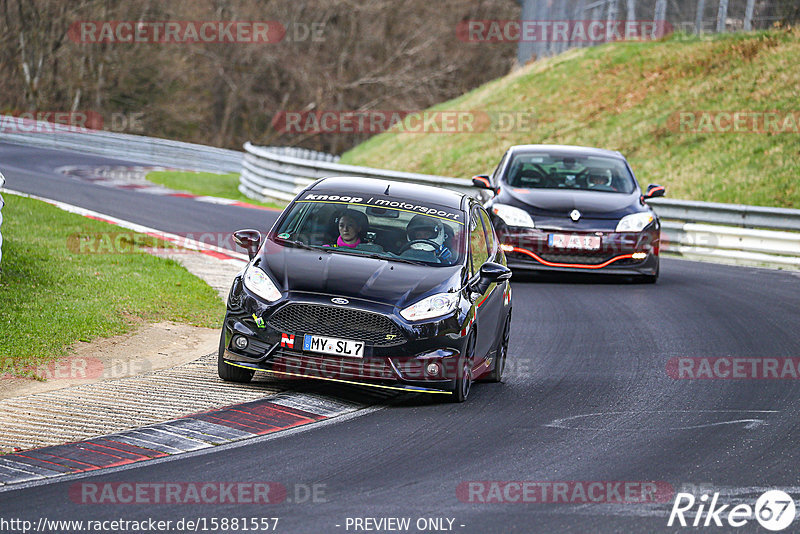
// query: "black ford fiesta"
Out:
[372,282]
[567,208]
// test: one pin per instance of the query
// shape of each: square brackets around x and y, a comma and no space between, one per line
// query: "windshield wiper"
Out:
[397,258]
[412,262]
[300,244]
[378,256]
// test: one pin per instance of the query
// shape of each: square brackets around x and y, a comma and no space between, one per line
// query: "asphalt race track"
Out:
[32,170]
[587,398]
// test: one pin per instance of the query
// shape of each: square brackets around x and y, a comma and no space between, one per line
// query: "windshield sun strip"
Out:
[382,207]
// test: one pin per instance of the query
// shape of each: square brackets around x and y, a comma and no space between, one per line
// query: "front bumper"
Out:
[301,367]
[624,253]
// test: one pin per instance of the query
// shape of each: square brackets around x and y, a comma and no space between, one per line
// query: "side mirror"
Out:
[249,240]
[654,190]
[482,181]
[491,273]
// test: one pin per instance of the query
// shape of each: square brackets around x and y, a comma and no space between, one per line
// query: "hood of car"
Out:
[559,203]
[338,274]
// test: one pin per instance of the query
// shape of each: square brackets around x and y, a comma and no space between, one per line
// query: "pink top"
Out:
[340,243]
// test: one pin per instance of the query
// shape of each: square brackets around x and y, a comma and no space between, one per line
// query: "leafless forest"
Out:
[364,55]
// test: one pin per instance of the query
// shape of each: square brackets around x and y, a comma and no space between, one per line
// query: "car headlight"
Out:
[259,283]
[636,222]
[513,216]
[433,306]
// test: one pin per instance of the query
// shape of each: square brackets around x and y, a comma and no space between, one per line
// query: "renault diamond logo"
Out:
[340,301]
[575,215]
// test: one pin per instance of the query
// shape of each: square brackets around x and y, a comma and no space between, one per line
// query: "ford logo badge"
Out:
[340,301]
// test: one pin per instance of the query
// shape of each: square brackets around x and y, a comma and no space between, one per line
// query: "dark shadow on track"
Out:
[554,277]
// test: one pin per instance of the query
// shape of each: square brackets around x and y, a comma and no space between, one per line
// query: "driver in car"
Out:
[431,232]
[601,180]
[352,229]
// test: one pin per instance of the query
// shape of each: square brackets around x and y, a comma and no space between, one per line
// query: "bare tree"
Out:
[360,55]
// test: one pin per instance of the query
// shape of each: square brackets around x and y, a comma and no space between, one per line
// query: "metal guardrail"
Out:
[728,214]
[135,148]
[270,173]
[730,233]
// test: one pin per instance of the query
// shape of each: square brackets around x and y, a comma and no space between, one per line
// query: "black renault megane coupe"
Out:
[567,208]
[372,282]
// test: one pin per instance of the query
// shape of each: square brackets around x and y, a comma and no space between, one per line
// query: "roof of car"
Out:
[577,150]
[401,190]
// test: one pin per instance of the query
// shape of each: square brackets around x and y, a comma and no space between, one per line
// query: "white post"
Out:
[698,20]
[660,17]
[748,15]
[578,18]
[611,18]
[526,50]
[540,47]
[631,10]
[561,14]
[722,14]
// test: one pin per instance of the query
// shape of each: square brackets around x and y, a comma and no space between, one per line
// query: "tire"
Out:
[650,278]
[230,373]
[496,375]
[463,384]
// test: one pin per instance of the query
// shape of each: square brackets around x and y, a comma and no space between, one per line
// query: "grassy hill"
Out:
[627,97]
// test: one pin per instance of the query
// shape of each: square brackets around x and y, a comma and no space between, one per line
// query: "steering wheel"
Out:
[433,244]
[549,179]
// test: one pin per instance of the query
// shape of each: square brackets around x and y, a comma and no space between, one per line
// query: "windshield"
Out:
[386,228]
[551,170]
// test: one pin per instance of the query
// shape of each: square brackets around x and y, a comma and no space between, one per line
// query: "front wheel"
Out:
[230,373]
[463,384]
[502,353]
[650,278]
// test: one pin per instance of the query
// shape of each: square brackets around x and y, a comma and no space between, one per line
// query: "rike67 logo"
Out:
[774,510]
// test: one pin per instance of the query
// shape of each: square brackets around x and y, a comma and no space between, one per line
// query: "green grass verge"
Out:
[625,96]
[206,184]
[52,294]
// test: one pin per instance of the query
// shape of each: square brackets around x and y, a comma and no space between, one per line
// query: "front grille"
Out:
[298,363]
[583,259]
[337,322]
